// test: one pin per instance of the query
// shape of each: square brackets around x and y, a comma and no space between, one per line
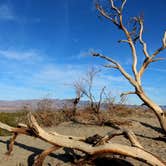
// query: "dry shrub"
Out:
[45,118]
[87,116]
[53,118]
[120,110]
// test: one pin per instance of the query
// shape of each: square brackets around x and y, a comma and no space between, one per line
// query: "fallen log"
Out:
[104,146]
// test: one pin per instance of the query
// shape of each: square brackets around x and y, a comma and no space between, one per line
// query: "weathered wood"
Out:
[12,140]
[40,158]
[57,140]
[136,76]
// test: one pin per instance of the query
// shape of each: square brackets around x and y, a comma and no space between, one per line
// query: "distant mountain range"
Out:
[16,105]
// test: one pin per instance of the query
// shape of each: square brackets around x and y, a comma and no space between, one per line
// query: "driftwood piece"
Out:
[12,140]
[40,158]
[135,151]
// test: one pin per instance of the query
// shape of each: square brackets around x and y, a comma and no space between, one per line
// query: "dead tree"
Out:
[85,87]
[76,100]
[103,144]
[114,14]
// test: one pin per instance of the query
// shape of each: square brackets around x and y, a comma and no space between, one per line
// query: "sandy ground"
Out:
[27,148]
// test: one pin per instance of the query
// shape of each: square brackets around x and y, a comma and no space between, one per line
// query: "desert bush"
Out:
[53,118]
[44,105]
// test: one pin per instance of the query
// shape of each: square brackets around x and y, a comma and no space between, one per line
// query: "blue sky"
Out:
[44,47]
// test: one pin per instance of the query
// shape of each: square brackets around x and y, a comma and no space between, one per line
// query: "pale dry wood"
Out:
[40,158]
[141,40]
[12,140]
[136,81]
[69,136]
[127,93]
[134,152]
[120,25]
[118,66]
[58,140]
[128,134]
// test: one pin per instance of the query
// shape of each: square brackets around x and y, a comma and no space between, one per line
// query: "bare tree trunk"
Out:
[135,79]
[156,109]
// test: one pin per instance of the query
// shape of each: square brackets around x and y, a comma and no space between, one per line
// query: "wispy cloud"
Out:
[158,69]
[20,55]
[84,53]
[59,75]
[59,79]
[6,13]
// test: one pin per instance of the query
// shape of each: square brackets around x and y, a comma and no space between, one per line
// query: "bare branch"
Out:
[124,41]
[106,15]
[136,81]
[114,7]
[57,140]
[131,44]
[123,4]
[118,66]
[120,25]
[40,158]
[140,38]
[125,132]
[132,138]
[12,140]
[100,99]
[157,59]
[134,152]
[127,93]
[162,47]
[146,63]
[110,66]
[164,40]
[106,58]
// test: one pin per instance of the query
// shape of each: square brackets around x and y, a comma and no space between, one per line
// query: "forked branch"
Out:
[152,58]
[117,19]
[140,21]
[117,66]
[131,37]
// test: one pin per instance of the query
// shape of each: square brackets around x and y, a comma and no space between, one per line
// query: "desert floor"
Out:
[27,148]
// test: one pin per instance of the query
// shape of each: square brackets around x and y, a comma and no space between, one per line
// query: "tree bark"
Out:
[156,109]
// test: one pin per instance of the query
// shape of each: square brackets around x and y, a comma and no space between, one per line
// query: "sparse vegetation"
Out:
[11,119]
[84,87]
[116,116]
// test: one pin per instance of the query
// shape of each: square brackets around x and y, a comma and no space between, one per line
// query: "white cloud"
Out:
[60,78]
[57,75]
[84,53]
[20,55]
[6,13]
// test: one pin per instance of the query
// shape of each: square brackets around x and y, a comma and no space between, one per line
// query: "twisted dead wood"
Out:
[114,14]
[33,129]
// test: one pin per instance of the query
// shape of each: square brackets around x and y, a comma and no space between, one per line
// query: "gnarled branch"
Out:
[58,141]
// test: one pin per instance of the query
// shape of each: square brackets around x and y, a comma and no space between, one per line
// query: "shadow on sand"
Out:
[69,156]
